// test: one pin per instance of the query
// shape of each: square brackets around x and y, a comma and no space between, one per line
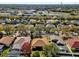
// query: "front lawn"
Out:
[40,53]
[5,52]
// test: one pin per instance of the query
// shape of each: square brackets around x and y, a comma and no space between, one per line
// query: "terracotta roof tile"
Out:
[20,41]
[72,42]
[39,42]
[6,40]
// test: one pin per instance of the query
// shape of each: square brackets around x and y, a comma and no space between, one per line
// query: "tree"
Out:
[1,27]
[50,50]
[53,30]
[9,29]
[47,29]
[14,17]
[38,28]
[73,13]
[36,54]
[21,27]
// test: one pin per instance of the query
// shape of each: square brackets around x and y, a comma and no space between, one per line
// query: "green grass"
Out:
[41,53]
[5,52]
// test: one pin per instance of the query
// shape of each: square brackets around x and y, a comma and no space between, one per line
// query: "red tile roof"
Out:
[20,41]
[39,42]
[26,48]
[73,43]
[6,40]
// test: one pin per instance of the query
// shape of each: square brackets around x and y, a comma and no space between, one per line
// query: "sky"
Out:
[39,1]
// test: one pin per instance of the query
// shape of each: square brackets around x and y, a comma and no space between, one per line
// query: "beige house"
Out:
[38,43]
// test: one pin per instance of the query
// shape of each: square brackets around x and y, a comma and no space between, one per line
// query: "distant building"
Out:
[5,14]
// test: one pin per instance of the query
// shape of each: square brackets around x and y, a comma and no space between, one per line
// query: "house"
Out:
[16,34]
[26,49]
[32,21]
[59,42]
[4,14]
[49,21]
[38,43]
[2,21]
[20,41]
[56,39]
[77,22]
[7,21]
[7,40]
[15,22]
[50,26]
[29,26]
[73,43]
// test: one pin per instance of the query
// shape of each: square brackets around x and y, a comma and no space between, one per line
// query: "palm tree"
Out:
[50,50]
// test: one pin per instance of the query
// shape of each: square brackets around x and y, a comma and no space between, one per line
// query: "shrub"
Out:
[36,54]
[51,50]
[5,52]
